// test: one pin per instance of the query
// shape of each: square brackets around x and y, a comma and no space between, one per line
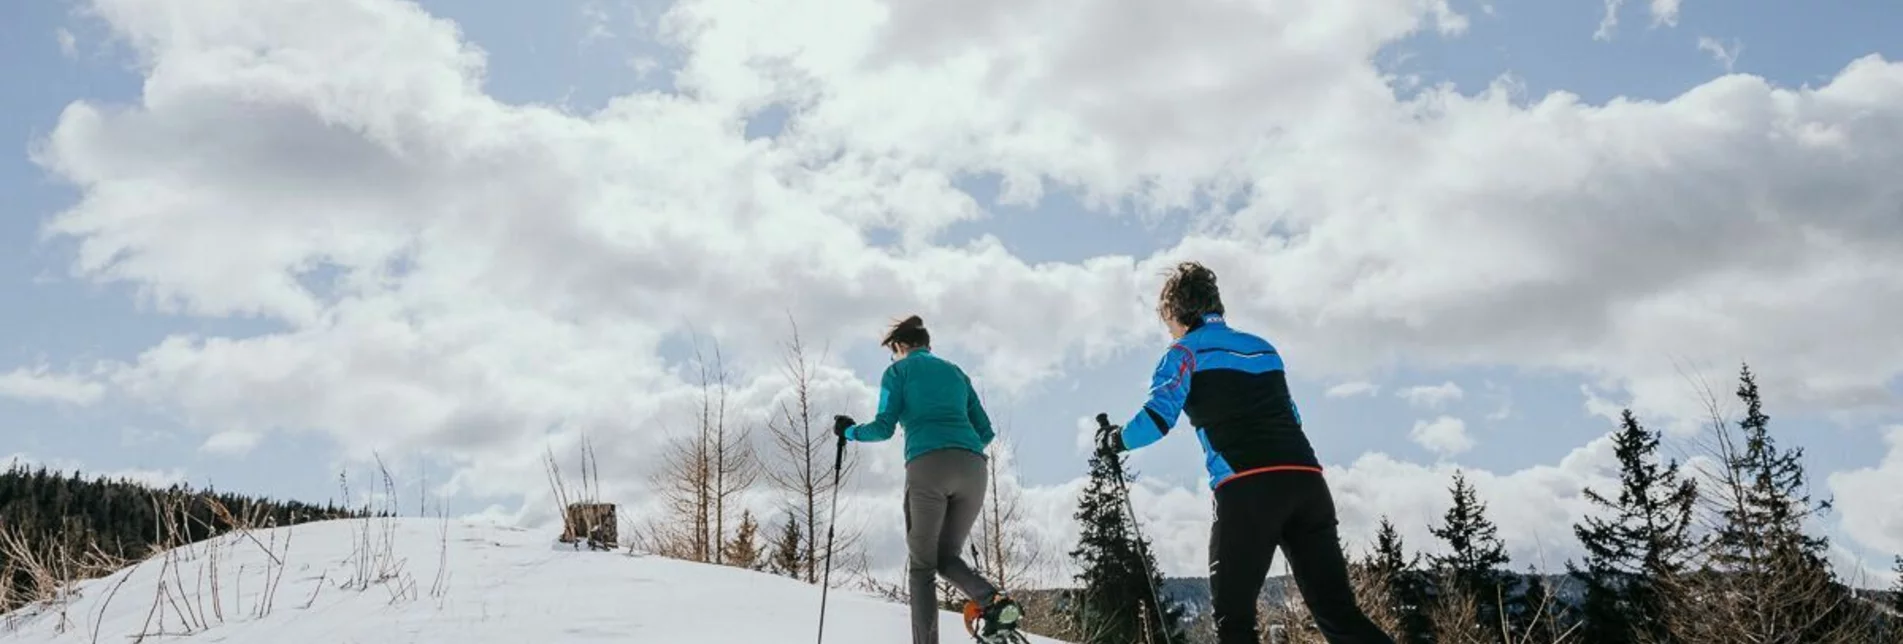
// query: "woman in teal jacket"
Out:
[946,432]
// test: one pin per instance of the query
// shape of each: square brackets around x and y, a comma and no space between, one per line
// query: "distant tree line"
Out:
[60,527]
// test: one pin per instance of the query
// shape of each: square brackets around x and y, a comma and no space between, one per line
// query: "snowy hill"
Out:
[378,581]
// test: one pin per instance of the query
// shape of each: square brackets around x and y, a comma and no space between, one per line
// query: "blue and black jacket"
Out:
[1234,388]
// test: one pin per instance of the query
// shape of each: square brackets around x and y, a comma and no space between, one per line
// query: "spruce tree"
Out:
[1407,585]
[744,549]
[1475,553]
[1783,585]
[788,558]
[1775,502]
[1896,592]
[1114,601]
[1644,536]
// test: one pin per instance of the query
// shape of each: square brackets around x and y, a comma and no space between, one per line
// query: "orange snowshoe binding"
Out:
[996,624]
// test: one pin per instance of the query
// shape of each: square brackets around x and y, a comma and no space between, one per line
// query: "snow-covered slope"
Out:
[377,581]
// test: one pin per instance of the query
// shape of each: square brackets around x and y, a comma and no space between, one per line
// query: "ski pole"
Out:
[832,516]
[1149,575]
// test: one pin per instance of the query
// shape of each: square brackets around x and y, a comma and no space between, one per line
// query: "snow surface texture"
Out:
[358,581]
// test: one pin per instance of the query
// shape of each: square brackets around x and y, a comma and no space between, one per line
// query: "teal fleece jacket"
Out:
[935,402]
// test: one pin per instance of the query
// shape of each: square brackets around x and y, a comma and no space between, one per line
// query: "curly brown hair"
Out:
[909,333]
[1189,294]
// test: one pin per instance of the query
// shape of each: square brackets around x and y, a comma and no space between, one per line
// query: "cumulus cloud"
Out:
[477,278]
[40,384]
[1446,435]
[1352,389]
[1431,396]
[1869,501]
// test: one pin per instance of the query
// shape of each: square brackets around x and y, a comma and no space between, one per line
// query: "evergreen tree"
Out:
[1896,592]
[1475,552]
[1644,536]
[122,518]
[788,557]
[1407,585]
[1774,500]
[744,549]
[1772,580]
[1115,601]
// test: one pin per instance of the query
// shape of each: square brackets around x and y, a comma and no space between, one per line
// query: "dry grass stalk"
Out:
[1455,615]
[439,588]
[1375,594]
[99,616]
[51,568]
[373,544]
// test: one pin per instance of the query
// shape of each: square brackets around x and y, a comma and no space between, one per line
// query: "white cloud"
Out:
[1431,396]
[597,21]
[40,385]
[498,276]
[1609,21]
[1352,389]
[1867,499]
[1726,55]
[1502,394]
[1665,12]
[1446,435]
[1085,435]
[231,443]
[68,45]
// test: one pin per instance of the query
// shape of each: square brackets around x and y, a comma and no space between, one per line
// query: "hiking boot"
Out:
[993,623]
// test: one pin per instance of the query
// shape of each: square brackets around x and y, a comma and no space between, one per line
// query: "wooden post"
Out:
[592,523]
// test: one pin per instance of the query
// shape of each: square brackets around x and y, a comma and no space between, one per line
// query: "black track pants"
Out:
[1292,510]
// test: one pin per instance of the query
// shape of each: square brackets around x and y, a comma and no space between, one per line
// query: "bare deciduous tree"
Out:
[804,444]
[733,464]
[1005,550]
[683,530]
[701,472]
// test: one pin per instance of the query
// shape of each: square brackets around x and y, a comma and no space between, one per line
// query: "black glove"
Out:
[1109,437]
[841,423]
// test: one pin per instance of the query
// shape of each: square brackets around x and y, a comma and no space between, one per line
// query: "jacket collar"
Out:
[1212,320]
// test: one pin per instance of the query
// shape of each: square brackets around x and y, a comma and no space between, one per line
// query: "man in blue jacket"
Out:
[1267,482]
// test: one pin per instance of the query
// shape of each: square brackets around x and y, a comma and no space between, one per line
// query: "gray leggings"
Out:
[944,489]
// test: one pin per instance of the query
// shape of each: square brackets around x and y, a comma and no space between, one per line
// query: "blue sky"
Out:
[577,57]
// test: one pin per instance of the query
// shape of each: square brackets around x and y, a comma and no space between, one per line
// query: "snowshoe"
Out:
[997,624]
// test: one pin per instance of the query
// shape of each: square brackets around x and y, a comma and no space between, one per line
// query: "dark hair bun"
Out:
[909,332]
